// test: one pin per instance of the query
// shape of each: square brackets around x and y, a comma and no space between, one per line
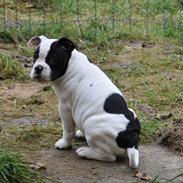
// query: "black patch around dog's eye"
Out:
[58,58]
[36,54]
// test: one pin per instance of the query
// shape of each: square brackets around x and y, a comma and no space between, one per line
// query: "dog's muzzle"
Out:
[40,72]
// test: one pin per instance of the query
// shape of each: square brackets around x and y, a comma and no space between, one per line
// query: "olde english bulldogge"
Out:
[88,100]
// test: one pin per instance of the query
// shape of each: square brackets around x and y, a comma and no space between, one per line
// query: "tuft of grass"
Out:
[6,37]
[38,136]
[14,170]
[25,51]
[92,21]
[10,68]
[149,130]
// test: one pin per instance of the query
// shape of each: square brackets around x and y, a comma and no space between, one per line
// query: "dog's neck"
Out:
[76,71]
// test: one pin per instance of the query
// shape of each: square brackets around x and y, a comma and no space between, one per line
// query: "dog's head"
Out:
[51,57]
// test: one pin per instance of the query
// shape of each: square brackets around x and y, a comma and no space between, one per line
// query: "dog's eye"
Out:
[53,60]
[36,55]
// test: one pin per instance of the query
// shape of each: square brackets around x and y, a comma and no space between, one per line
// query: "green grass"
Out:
[149,130]
[102,21]
[23,50]
[9,68]
[37,137]
[150,77]
[14,170]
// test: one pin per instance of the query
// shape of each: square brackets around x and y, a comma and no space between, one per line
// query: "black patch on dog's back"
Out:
[58,57]
[115,104]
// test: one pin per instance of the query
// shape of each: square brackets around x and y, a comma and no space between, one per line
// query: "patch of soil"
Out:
[67,167]
[172,136]
[147,109]
[25,121]
[22,91]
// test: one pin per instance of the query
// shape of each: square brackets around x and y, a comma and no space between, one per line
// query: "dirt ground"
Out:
[67,167]
[172,136]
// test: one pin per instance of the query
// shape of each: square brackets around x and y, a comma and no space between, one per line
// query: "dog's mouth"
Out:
[41,79]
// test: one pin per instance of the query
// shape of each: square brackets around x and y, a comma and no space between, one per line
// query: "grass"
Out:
[14,170]
[149,130]
[149,76]
[92,22]
[9,68]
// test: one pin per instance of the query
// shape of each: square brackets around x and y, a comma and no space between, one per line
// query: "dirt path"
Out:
[67,167]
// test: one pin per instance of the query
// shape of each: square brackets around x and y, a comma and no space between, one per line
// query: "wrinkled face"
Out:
[51,57]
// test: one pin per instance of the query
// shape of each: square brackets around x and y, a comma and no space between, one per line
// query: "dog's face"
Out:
[51,57]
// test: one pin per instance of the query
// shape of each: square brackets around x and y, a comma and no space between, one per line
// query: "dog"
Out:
[88,100]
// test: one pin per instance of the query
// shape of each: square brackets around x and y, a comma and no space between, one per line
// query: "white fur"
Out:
[44,48]
[79,134]
[82,92]
[133,155]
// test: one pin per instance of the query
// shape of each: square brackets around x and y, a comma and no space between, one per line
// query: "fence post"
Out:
[180,26]
[44,16]
[113,18]
[61,15]
[30,27]
[164,17]
[147,17]
[78,17]
[96,28]
[4,15]
[16,17]
[130,16]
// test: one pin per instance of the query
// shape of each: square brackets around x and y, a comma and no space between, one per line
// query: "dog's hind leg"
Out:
[133,155]
[99,149]
[96,154]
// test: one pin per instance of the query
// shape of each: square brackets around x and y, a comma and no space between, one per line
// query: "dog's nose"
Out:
[38,69]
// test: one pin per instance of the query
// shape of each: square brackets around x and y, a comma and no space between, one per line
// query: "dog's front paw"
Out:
[62,145]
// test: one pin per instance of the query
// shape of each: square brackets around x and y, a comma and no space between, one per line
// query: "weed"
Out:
[25,51]
[34,100]
[14,170]
[38,136]
[6,37]
[102,20]
[9,68]
[149,129]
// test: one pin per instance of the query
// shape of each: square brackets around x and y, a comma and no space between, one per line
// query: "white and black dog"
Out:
[88,100]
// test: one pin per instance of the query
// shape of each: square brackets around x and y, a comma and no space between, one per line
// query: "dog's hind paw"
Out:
[90,153]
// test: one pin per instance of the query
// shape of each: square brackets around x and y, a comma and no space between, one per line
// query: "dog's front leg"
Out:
[68,127]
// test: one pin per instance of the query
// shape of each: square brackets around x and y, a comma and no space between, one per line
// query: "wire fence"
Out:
[92,19]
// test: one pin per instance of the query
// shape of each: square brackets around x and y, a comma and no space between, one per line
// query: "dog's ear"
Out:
[66,44]
[35,41]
